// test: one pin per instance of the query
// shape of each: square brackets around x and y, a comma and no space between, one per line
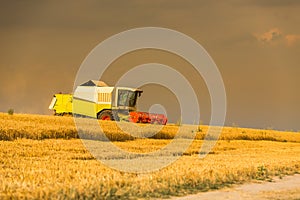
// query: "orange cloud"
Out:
[292,39]
[269,36]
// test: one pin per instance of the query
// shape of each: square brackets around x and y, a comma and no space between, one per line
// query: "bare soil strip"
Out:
[286,188]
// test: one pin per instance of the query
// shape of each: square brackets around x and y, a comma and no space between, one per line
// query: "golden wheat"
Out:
[63,169]
[46,127]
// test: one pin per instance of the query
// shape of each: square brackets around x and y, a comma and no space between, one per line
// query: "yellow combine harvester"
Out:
[97,100]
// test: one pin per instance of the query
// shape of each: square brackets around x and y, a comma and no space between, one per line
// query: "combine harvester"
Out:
[97,100]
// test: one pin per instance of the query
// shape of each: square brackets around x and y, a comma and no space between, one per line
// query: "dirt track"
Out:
[286,188]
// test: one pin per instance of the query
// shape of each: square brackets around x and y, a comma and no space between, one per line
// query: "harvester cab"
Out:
[124,101]
[125,98]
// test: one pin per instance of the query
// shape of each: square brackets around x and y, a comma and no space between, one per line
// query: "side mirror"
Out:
[140,93]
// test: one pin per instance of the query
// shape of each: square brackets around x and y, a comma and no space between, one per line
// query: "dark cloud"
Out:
[272,3]
[44,42]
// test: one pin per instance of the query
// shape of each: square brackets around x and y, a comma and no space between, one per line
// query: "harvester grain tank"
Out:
[98,100]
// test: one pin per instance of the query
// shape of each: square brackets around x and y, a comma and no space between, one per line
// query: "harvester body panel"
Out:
[62,104]
[90,100]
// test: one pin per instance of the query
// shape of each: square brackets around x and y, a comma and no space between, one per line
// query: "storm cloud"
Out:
[255,44]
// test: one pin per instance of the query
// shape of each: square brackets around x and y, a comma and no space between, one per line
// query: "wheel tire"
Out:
[105,115]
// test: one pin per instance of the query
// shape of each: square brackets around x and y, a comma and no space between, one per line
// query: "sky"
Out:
[255,44]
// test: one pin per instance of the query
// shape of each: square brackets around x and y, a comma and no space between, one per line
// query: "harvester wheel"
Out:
[106,115]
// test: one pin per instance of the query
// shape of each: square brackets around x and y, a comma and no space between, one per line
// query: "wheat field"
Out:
[43,158]
[54,127]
